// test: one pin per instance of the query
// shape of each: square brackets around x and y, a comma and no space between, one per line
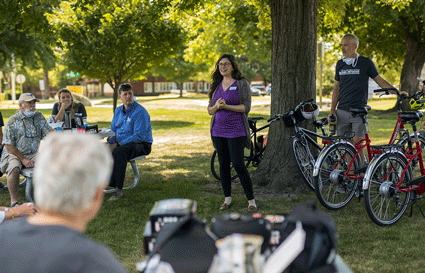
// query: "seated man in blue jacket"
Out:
[133,136]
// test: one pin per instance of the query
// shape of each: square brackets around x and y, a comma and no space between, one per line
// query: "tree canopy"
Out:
[115,42]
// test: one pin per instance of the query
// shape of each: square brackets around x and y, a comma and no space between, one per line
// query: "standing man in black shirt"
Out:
[352,75]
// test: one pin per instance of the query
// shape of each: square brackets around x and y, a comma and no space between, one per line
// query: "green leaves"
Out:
[114,42]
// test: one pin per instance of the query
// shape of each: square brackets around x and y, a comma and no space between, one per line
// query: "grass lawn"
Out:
[179,167]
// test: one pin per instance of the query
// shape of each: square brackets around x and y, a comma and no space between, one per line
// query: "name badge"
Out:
[233,88]
[128,119]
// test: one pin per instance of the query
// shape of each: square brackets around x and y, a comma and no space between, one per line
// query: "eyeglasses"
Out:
[223,64]
[30,131]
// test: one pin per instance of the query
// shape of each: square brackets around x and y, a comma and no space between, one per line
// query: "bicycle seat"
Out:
[320,123]
[253,121]
[360,110]
[410,116]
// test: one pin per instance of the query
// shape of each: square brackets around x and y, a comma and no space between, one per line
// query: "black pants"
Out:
[231,150]
[122,154]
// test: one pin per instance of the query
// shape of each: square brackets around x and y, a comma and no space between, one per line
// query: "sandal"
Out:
[225,206]
[14,204]
[252,209]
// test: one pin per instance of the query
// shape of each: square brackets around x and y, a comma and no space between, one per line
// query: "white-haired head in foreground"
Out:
[68,171]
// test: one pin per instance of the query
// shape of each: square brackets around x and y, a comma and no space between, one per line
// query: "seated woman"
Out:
[66,103]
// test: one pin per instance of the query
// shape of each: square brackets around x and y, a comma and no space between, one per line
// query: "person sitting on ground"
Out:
[66,103]
[133,136]
[17,211]
[70,175]
[22,136]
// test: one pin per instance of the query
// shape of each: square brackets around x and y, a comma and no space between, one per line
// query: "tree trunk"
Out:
[46,92]
[181,89]
[294,31]
[414,61]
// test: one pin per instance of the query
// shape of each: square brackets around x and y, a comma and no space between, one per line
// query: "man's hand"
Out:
[404,93]
[28,163]
[332,113]
[112,146]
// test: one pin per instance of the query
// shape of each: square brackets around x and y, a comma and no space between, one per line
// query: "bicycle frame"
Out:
[398,128]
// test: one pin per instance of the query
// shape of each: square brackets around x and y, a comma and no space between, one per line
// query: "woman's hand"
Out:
[222,104]
[66,104]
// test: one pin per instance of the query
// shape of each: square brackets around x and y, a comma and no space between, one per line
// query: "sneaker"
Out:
[116,195]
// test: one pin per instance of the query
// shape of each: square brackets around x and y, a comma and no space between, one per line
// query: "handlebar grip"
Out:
[384,89]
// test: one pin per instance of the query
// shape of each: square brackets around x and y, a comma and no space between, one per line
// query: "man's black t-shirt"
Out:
[354,82]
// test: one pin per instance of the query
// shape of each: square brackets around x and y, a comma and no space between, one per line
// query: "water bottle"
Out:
[332,125]
[85,122]
[67,120]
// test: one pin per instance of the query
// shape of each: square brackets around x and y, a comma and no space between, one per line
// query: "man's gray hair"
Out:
[353,38]
[68,171]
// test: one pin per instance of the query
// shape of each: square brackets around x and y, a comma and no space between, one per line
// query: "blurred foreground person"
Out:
[70,174]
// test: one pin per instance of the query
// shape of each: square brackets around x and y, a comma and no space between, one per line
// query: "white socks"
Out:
[228,200]
[252,203]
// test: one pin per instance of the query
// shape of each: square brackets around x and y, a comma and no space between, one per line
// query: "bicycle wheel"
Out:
[384,203]
[215,165]
[304,159]
[333,188]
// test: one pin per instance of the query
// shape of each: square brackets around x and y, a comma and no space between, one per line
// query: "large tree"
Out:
[294,30]
[116,41]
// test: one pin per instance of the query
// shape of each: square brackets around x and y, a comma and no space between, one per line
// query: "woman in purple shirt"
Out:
[229,105]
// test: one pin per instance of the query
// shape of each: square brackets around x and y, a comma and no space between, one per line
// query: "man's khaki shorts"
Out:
[12,161]
[347,123]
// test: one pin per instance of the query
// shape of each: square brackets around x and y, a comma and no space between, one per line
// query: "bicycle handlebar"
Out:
[275,117]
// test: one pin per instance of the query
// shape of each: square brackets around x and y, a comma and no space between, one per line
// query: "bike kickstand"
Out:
[414,202]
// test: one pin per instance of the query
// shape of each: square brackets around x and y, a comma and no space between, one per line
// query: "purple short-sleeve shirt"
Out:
[228,124]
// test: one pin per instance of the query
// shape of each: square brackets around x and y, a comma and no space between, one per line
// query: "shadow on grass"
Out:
[161,99]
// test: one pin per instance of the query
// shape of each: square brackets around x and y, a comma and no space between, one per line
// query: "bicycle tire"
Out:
[333,188]
[215,165]
[304,160]
[384,204]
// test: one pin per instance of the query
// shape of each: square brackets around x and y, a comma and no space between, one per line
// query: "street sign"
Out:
[72,74]
[20,79]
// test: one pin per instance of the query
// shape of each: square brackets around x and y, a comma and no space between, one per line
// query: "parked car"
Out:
[259,86]
[269,89]
[255,91]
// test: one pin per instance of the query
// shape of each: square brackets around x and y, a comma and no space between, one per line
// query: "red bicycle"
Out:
[339,169]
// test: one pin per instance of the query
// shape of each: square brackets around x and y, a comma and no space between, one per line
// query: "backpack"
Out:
[228,224]
[186,246]
[320,242]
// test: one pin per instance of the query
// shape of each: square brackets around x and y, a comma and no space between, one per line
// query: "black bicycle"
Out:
[254,154]
[304,147]
[303,141]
